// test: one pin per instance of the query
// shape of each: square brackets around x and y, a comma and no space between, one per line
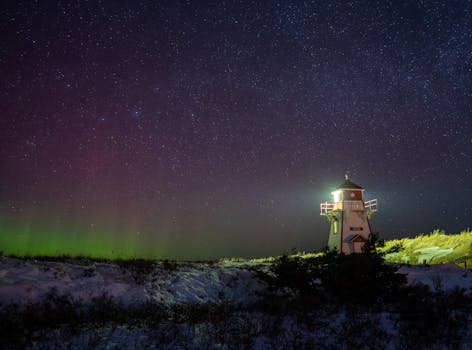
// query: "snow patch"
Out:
[24,281]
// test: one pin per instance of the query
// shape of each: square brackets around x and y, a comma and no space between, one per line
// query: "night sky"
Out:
[194,130]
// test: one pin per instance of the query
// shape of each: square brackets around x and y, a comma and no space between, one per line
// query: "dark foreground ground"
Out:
[329,302]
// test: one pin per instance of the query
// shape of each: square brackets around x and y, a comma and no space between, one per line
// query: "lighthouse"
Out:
[349,217]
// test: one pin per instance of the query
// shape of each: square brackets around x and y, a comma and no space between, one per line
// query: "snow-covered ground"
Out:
[444,277]
[23,281]
[170,283]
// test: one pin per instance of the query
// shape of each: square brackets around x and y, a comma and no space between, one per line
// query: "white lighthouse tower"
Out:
[349,218]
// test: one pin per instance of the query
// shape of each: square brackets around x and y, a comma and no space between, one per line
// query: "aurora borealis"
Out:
[189,129]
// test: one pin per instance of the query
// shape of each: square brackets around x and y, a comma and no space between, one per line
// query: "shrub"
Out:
[361,278]
[355,278]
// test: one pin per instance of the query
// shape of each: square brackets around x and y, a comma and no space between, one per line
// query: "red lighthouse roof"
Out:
[349,185]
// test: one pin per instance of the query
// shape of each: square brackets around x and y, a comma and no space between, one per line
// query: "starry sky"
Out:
[198,129]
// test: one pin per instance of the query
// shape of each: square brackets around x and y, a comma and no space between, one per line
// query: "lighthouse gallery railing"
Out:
[371,205]
[328,207]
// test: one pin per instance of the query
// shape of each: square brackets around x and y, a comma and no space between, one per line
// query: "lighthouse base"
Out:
[349,231]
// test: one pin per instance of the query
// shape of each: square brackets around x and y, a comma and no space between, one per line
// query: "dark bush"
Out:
[355,278]
[361,279]
[293,272]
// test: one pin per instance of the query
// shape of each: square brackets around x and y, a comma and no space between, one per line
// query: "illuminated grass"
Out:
[434,248]
[269,259]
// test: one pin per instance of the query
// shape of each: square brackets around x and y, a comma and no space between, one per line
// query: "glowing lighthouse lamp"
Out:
[349,218]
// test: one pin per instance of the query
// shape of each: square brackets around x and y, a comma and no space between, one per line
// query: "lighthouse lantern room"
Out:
[349,218]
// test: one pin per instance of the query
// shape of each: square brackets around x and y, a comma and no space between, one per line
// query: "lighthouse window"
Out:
[337,196]
[356,228]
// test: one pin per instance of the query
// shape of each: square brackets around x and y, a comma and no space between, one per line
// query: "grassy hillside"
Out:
[434,248]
